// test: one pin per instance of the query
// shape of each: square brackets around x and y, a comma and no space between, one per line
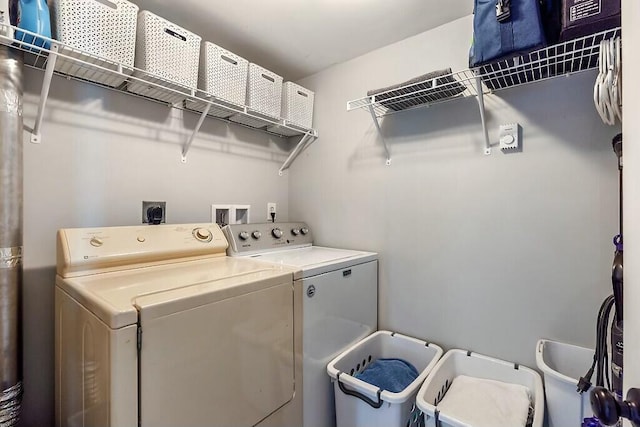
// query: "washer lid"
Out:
[314,260]
[115,297]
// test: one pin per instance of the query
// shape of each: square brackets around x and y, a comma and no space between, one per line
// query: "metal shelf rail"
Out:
[562,59]
[57,59]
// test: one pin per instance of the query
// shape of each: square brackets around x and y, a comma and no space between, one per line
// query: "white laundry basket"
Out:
[562,365]
[297,105]
[98,32]
[462,362]
[359,404]
[168,55]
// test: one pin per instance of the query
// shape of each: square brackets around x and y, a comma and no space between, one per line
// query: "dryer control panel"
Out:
[93,250]
[245,239]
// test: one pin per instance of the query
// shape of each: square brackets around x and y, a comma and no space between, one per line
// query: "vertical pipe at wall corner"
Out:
[11,196]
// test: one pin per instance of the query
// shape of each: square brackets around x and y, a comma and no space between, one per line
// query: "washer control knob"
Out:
[277,233]
[243,235]
[202,234]
[96,242]
[304,231]
[295,231]
[256,234]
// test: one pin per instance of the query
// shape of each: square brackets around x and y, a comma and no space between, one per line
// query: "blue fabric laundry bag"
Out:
[505,27]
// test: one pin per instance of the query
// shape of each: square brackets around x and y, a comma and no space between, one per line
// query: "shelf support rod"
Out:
[44,93]
[384,142]
[480,97]
[187,146]
[305,142]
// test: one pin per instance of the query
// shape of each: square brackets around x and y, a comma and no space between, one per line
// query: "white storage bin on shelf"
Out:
[562,365]
[461,362]
[99,32]
[359,404]
[264,97]
[297,105]
[167,55]
[223,76]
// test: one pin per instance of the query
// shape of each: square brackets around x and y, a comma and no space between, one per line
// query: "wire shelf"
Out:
[562,59]
[419,94]
[75,64]
[566,58]
[558,60]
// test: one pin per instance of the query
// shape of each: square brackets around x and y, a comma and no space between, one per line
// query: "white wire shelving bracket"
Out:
[305,142]
[56,58]
[562,59]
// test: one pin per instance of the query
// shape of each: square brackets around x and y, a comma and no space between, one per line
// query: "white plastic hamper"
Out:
[395,408]
[168,55]
[462,362]
[223,75]
[562,366]
[99,32]
[297,105]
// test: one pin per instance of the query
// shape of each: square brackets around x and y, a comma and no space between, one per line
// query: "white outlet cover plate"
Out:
[275,209]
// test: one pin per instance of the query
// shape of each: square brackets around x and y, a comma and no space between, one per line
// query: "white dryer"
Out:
[340,300]
[156,326]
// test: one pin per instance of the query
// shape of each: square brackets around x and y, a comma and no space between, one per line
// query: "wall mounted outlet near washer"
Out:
[510,138]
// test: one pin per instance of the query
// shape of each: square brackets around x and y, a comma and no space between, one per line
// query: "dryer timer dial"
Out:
[202,234]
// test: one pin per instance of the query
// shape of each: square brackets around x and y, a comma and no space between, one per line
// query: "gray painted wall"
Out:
[102,153]
[481,253]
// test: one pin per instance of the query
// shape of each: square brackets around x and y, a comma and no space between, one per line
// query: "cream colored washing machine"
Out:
[157,327]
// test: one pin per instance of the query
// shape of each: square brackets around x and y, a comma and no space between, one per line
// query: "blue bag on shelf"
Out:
[33,16]
[504,27]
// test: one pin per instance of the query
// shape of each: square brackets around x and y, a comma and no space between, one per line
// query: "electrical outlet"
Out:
[148,210]
[271,208]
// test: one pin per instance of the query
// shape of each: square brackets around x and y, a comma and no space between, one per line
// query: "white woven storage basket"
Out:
[168,54]
[223,74]
[100,32]
[297,104]
[264,92]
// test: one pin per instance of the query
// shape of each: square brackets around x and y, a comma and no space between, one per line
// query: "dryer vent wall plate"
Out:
[510,137]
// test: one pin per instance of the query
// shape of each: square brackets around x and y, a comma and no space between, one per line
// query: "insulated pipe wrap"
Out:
[11,65]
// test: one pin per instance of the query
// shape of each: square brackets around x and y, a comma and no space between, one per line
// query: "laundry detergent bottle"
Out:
[33,16]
